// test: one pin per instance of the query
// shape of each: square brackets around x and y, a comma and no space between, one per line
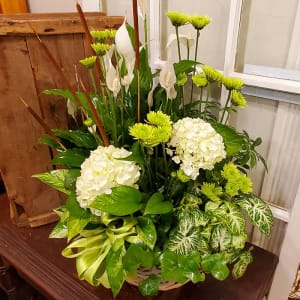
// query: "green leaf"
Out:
[114,266]
[179,268]
[215,264]
[71,177]
[220,238]
[233,141]
[258,211]
[60,231]
[71,157]
[58,92]
[147,231]
[241,265]
[76,225]
[79,138]
[157,205]
[230,214]
[149,286]
[78,217]
[136,256]
[184,66]
[55,179]
[124,200]
[46,139]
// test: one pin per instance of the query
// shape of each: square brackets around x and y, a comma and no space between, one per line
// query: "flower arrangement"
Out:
[155,176]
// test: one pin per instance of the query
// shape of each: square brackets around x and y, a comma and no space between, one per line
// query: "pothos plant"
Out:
[153,178]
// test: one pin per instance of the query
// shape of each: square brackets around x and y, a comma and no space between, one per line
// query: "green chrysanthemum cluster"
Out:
[199,22]
[88,61]
[238,99]
[200,80]
[236,181]
[177,18]
[212,74]
[100,48]
[211,191]
[158,129]
[103,35]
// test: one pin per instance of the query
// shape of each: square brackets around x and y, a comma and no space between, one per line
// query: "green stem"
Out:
[114,129]
[165,158]
[91,72]
[148,167]
[226,104]
[195,59]
[178,43]
[207,99]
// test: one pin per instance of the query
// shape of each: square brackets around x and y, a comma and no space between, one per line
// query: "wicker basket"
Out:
[143,273]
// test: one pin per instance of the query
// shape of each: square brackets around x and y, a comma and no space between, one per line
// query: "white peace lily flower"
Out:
[167,79]
[196,146]
[185,39]
[102,171]
[112,80]
[125,49]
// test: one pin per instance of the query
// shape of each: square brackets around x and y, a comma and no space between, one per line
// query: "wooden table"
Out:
[38,260]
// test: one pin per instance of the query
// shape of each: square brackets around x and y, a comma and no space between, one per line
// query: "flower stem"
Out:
[91,72]
[226,105]
[207,99]
[178,43]
[195,59]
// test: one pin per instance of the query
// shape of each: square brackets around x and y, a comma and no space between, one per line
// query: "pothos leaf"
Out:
[55,179]
[147,231]
[258,211]
[114,267]
[71,157]
[232,140]
[157,205]
[215,264]
[123,200]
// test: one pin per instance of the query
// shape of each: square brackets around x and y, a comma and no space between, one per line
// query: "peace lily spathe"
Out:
[167,79]
[125,49]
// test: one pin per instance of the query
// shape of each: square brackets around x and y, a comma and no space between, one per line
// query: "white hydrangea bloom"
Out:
[103,171]
[196,146]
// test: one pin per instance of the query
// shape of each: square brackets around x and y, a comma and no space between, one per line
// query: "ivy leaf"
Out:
[147,231]
[157,205]
[55,179]
[233,141]
[124,200]
[258,211]
[215,264]
[136,257]
[149,286]
[71,157]
[79,138]
[114,266]
[179,268]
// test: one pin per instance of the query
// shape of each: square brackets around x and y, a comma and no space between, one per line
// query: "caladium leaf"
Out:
[241,265]
[220,238]
[230,215]
[258,211]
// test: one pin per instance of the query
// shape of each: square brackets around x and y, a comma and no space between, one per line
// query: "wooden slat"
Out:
[53,24]
[21,155]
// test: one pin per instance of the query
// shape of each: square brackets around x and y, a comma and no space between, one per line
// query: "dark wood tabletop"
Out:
[37,258]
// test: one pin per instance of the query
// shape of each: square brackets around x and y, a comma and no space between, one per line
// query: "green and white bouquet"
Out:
[155,176]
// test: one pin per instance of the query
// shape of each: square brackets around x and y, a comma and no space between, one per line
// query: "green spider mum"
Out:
[199,22]
[200,80]
[238,99]
[100,48]
[212,74]
[211,191]
[88,62]
[177,18]
[232,83]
